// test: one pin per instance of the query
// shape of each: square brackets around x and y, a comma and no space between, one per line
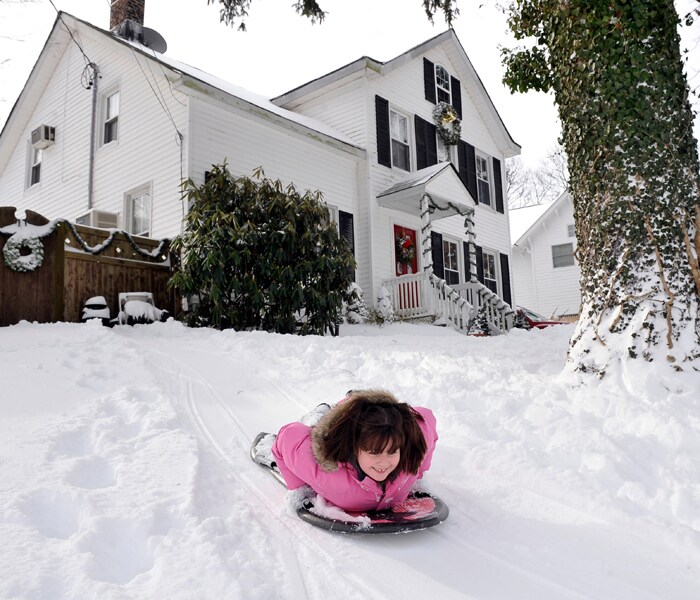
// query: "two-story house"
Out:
[409,154]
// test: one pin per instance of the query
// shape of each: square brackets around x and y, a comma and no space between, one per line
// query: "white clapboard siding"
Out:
[538,285]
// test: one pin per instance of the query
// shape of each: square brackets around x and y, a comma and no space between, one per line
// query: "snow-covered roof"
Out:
[524,221]
[416,179]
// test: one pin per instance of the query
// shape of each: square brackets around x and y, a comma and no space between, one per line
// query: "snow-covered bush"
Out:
[480,323]
[383,312]
[354,307]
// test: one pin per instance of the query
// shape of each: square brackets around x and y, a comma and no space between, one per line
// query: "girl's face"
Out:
[379,465]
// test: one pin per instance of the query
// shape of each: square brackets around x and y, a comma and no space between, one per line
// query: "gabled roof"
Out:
[441,182]
[457,54]
[58,40]
[522,229]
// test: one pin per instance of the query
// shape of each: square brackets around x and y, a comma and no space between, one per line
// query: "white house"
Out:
[107,126]
[545,272]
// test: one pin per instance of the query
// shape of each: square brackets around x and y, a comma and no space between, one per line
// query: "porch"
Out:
[424,295]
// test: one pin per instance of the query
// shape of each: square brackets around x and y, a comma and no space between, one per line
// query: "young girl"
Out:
[366,453]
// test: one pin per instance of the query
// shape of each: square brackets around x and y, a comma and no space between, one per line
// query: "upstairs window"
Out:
[36,156]
[571,230]
[111,118]
[442,83]
[483,179]
[400,153]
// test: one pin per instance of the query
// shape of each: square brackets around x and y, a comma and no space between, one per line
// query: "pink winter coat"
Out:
[294,453]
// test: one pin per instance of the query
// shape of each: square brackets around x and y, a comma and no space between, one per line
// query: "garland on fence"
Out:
[16,261]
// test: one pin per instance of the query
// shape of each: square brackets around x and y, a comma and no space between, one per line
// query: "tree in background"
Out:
[259,255]
[234,12]
[616,70]
[539,185]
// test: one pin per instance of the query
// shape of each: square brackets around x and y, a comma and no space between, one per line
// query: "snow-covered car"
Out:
[96,308]
[534,320]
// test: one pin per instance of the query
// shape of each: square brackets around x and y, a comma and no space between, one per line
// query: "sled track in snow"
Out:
[305,543]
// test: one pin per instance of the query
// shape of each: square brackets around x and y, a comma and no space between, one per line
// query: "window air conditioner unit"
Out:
[99,218]
[43,136]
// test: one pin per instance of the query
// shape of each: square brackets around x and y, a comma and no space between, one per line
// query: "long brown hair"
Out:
[371,420]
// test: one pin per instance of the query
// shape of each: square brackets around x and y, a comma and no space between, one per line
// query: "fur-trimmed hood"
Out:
[320,431]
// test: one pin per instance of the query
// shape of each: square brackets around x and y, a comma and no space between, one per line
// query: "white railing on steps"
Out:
[426,295]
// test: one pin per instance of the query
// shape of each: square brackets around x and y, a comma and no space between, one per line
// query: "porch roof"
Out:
[441,182]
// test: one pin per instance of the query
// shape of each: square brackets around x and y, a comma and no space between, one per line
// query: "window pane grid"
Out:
[400,153]
[562,255]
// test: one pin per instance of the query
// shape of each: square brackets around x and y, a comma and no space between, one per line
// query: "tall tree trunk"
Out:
[616,70]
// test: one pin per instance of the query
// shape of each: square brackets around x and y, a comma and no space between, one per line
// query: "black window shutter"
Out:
[207,176]
[471,171]
[383,132]
[429,80]
[505,279]
[479,264]
[426,143]
[456,95]
[467,265]
[498,181]
[346,228]
[462,161]
[436,249]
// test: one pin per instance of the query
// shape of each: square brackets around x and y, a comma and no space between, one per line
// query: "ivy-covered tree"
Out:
[616,71]
[259,255]
[234,12]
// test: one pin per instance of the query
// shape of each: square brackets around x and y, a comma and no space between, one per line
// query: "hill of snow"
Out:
[124,468]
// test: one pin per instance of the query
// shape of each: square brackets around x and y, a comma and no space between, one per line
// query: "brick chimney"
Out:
[126,9]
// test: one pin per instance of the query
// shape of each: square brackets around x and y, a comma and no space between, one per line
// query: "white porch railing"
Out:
[425,295]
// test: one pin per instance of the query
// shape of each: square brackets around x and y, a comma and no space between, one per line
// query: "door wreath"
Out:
[23,263]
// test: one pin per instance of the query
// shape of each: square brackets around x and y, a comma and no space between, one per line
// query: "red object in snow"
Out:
[534,320]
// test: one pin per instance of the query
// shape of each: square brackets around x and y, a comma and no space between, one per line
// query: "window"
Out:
[111,118]
[138,211]
[400,154]
[442,83]
[444,152]
[490,271]
[483,180]
[562,255]
[450,261]
[571,230]
[36,155]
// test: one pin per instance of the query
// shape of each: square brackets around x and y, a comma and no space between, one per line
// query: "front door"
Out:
[405,250]
[406,261]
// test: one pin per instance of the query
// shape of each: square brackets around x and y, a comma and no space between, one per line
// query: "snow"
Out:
[125,468]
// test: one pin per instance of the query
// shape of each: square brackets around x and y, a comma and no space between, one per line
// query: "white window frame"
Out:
[484,184]
[396,138]
[457,264]
[129,198]
[564,259]
[443,91]
[485,255]
[445,153]
[35,157]
[106,118]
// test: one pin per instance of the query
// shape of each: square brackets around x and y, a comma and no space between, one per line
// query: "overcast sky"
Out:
[281,50]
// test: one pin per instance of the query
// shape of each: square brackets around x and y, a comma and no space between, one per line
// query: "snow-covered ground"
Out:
[124,468]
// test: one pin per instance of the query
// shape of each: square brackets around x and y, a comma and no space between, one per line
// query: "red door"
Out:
[406,260]
[405,250]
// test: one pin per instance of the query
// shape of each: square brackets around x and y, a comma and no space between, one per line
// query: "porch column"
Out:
[425,233]
[471,237]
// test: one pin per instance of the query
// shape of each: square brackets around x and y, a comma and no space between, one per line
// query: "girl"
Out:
[366,453]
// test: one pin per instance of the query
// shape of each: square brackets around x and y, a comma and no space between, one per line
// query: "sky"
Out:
[281,50]
[126,471]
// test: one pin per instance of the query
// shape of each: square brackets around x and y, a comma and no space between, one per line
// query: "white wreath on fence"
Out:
[23,263]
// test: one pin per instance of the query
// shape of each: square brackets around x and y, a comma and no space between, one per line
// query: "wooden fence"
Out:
[78,263]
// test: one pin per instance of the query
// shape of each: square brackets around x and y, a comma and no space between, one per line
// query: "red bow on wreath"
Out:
[405,249]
